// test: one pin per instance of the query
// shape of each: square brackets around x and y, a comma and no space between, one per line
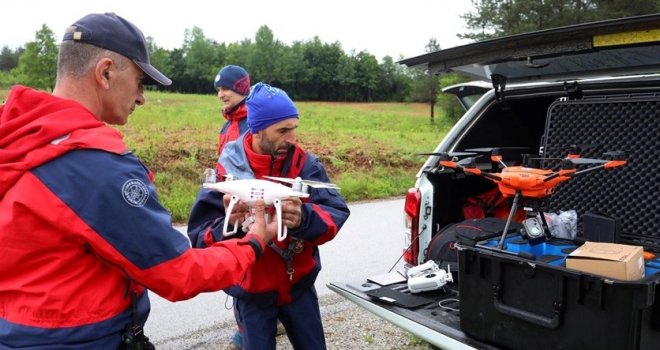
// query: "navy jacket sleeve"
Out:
[207,218]
[325,212]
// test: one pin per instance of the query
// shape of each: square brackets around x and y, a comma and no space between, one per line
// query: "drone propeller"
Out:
[575,149]
[587,161]
[470,162]
[615,155]
[310,183]
[495,150]
[449,154]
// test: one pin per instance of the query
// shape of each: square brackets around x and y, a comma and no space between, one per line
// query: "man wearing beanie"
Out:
[281,284]
[83,232]
[233,85]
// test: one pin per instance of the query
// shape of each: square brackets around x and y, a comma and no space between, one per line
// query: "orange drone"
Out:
[532,184]
[528,181]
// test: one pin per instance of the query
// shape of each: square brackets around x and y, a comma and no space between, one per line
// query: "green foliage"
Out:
[308,70]
[266,58]
[7,79]
[198,51]
[494,18]
[450,107]
[369,150]
[9,58]
[37,66]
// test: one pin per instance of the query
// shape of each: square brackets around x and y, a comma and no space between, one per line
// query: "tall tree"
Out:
[240,54]
[347,78]
[321,62]
[266,60]
[495,18]
[9,58]
[426,85]
[176,62]
[367,75]
[293,74]
[199,55]
[159,58]
[37,66]
[394,84]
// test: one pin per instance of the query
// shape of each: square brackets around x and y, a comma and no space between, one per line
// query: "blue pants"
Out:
[301,319]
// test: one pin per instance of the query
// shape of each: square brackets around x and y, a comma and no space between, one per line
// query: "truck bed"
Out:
[431,322]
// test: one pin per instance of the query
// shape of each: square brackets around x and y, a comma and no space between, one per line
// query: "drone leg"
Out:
[230,207]
[281,231]
[546,228]
[514,208]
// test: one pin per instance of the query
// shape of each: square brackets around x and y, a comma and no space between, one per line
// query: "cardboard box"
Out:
[620,261]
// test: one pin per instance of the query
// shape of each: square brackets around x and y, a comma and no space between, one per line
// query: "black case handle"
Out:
[547,322]
[543,321]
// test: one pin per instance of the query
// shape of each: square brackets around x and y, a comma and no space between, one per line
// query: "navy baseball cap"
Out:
[111,32]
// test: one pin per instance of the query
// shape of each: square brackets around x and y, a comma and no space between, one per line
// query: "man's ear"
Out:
[103,72]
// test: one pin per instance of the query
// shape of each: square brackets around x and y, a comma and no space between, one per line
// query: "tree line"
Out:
[314,70]
[307,70]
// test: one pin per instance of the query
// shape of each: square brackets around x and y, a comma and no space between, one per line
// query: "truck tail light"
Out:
[411,222]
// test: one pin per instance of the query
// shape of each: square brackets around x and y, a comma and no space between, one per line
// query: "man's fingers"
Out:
[259,211]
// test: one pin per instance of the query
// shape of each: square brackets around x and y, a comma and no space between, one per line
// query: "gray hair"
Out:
[76,59]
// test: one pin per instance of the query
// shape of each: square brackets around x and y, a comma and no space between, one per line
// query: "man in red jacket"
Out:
[82,231]
[280,286]
[233,86]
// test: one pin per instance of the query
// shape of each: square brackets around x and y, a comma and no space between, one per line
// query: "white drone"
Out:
[428,276]
[249,190]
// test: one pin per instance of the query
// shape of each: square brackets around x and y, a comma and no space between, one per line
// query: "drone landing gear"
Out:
[234,199]
[535,225]
[281,229]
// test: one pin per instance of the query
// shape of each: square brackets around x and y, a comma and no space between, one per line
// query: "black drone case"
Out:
[517,302]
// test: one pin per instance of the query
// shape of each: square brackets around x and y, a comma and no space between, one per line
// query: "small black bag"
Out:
[442,248]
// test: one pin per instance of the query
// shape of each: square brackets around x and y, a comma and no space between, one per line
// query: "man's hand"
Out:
[238,213]
[265,231]
[292,212]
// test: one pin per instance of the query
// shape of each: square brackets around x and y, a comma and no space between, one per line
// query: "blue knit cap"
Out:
[267,105]
[234,78]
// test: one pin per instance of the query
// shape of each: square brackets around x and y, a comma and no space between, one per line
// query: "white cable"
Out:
[441,302]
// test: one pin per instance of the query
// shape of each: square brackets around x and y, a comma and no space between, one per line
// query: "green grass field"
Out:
[369,149]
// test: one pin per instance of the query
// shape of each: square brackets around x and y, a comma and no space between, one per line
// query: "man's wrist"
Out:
[257,244]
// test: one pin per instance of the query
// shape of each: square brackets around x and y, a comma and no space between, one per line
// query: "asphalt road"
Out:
[370,243]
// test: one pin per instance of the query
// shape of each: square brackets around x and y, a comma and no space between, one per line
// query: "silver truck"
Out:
[593,86]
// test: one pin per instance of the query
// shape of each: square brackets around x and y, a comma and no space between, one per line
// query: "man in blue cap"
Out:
[281,284]
[83,233]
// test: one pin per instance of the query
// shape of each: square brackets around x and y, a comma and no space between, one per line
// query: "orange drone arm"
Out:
[614,164]
[448,164]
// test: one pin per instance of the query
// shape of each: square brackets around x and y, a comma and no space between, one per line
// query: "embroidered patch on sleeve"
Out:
[135,192]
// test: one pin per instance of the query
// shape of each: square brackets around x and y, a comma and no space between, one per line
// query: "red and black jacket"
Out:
[235,126]
[323,214]
[81,225]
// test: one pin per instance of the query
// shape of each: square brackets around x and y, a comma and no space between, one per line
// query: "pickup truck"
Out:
[600,82]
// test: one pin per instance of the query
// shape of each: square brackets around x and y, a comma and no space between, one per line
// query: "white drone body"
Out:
[428,276]
[249,190]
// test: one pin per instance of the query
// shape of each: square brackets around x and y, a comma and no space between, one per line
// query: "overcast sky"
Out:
[384,27]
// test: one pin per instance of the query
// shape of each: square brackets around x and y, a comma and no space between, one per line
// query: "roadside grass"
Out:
[369,149]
